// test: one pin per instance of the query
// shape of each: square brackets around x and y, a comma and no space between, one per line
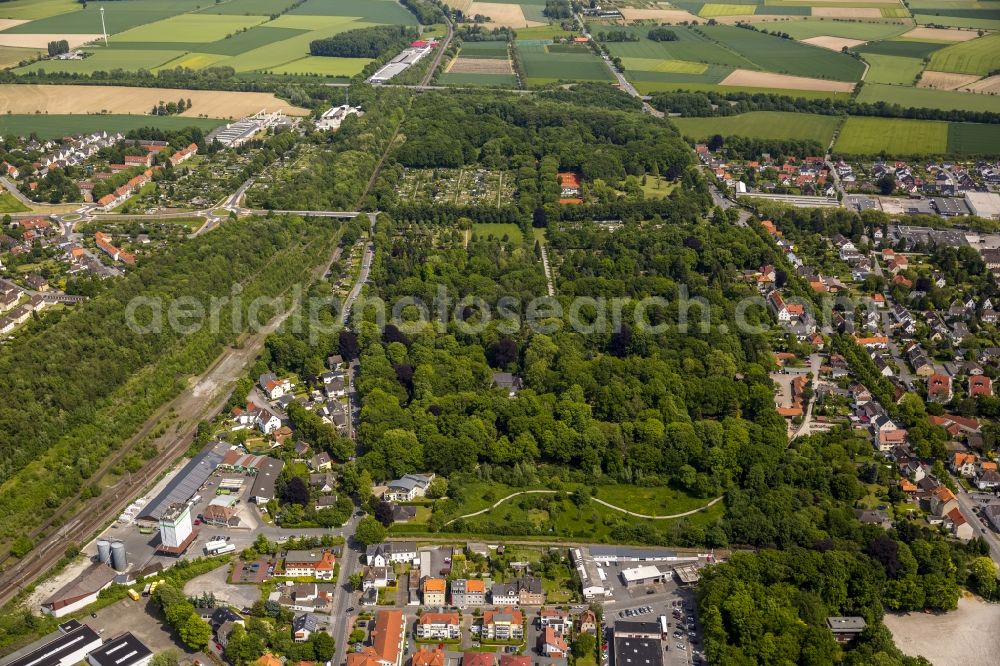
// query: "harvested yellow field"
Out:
[989,86]
[460,5]
[657,65]
[41,41]
[508,16]
[665,15]
[481,66]
[945,80]
[10,23]
[749,78]
[939,35]
[121,99]
[847,12]
[833,43]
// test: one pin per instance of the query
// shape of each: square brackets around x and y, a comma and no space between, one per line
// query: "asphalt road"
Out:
[966,504]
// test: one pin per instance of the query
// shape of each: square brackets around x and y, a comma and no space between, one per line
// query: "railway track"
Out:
[95,513]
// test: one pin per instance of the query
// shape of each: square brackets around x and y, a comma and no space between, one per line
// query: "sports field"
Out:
[762,125]
[54,125]
[154,34]
[871,136]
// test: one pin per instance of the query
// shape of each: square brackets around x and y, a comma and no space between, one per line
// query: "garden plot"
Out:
[460,187]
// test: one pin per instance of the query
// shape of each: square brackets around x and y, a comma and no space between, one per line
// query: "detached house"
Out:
[963,464]
[273,387]
[407,488]
[980,385]
[939,388]
[552,645]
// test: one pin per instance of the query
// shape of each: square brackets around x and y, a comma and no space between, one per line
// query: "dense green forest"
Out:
[363,42]
[79,388]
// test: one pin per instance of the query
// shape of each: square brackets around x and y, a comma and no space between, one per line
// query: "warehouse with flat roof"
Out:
[184,485]
[65,647]
[125,650]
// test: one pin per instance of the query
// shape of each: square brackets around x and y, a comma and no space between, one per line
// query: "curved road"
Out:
[599,501]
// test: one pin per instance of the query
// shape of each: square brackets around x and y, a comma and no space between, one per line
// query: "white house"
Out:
[407,488]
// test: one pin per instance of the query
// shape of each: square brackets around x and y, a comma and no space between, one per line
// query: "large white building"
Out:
[984,204]
[175,525]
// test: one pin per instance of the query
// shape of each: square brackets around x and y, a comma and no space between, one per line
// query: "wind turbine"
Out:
[104,30]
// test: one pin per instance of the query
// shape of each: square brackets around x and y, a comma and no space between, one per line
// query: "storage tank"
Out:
[118,560]
[103,551]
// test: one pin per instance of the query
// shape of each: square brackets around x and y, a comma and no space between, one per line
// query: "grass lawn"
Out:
[556,591]
[870,136]
[655,500]
[657,190]
[762,125]
[9,204]
[498,230]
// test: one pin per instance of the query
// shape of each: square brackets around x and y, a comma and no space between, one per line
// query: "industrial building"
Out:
[984,204]
[642,575]
[125,650]
[407,58]
[592,577]
[238,133]
[184,485]
[608,554]
[65,647]
[80,592]
[335,116]
[263,484]
[176,529]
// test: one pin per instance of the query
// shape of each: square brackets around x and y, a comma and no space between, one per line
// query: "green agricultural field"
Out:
[892,69]
[30,10]
[546,32]
[957,21]
[249,7]
[894,136]
[650,87]
[848,29]
[973,139]
[8,204]
[54,125]
[197,27]
[978,56]
[905,48]
[372,11]
[495,50]
[927,98]
[762,125]
[690,46]
[786,56]
[119,17]
[542,67]
[471,79]
[105,60]
[711,74]
[323,66]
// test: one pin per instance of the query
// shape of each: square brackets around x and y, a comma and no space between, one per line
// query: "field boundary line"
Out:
[599,501]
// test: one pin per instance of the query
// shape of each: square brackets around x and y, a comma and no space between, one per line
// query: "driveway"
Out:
[240,596]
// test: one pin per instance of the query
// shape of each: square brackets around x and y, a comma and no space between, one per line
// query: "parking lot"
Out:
[142,619]
[683,642]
